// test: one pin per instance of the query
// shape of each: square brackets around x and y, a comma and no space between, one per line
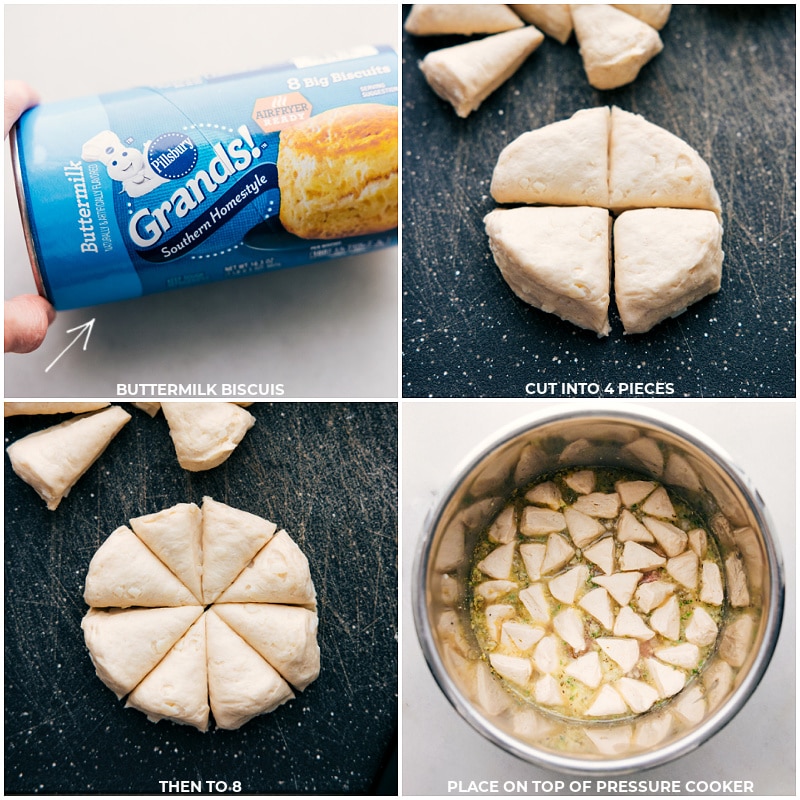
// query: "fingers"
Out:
[18,97]
[26,321]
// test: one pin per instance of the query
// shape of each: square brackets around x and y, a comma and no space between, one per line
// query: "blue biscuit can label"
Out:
[154,188]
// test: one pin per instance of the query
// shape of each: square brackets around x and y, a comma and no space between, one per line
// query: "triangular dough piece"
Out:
[556,259]
[286,636]
[175,535]
[614,45]
[278,574]
[205,434]
[15,409]
[151,409]
[665,259]
[52,460]
[124,572]
[231,538]
[241,684]
[465,75]
[654,14]
[436,19]
[177,688]
[554,19]
[563,164]
[125,644]
[651,167]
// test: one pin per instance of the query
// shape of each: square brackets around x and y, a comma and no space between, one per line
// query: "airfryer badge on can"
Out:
[144,190]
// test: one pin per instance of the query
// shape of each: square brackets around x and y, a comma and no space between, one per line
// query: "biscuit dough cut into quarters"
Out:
[557,259]
[465,75]
[662,271]
[649,166]
[665,259]
[614,45]
[438,19]
[179,659]
[564,163]
[52,460]
[205,434]
[554,19]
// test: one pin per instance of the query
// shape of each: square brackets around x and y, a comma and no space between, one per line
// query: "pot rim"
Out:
[772,609]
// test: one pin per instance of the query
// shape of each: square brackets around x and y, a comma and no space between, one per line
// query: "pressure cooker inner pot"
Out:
[506,710]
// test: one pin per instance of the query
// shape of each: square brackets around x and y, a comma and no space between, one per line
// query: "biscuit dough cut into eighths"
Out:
[436,19]
[241,684]
[564,163]
[286,636]
[52,460]
[279,573]
[177,688]
[205,434]
[665,259]
[465,75]
[614,45]
[231,538]
[654,14]
[124,572]
[175,536]
[16,409]
[651,167]
[556,259]
[554,19]
[125,644]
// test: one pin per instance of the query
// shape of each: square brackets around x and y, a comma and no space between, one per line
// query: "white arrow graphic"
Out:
[85,328]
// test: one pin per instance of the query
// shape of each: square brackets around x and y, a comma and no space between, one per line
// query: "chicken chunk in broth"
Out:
[604,598]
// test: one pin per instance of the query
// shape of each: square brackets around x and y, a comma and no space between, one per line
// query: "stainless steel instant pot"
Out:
[658,448]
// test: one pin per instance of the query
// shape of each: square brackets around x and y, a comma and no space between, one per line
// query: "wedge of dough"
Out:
[241,684]
[177,688]
[465,75]
[175,536]
[651,167]
[151,409]
[665,259]
[564,164]
[205,434]
[654,14]
[124,572]
[125,644]
[15,409]
[436,19]
[556,259]
[231,538]
[52,460]
[554,19]
[614,45]
[286,636]
[278,574]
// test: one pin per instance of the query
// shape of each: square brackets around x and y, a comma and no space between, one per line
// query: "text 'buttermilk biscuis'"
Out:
[667,239]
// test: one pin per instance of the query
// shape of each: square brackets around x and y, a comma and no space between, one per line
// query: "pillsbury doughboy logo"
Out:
[172,155]
[123,163]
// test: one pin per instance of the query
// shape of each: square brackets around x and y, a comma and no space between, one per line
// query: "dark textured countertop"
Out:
[725,82]
[328,474]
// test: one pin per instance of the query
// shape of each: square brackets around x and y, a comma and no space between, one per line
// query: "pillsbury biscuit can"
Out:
[154,188]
